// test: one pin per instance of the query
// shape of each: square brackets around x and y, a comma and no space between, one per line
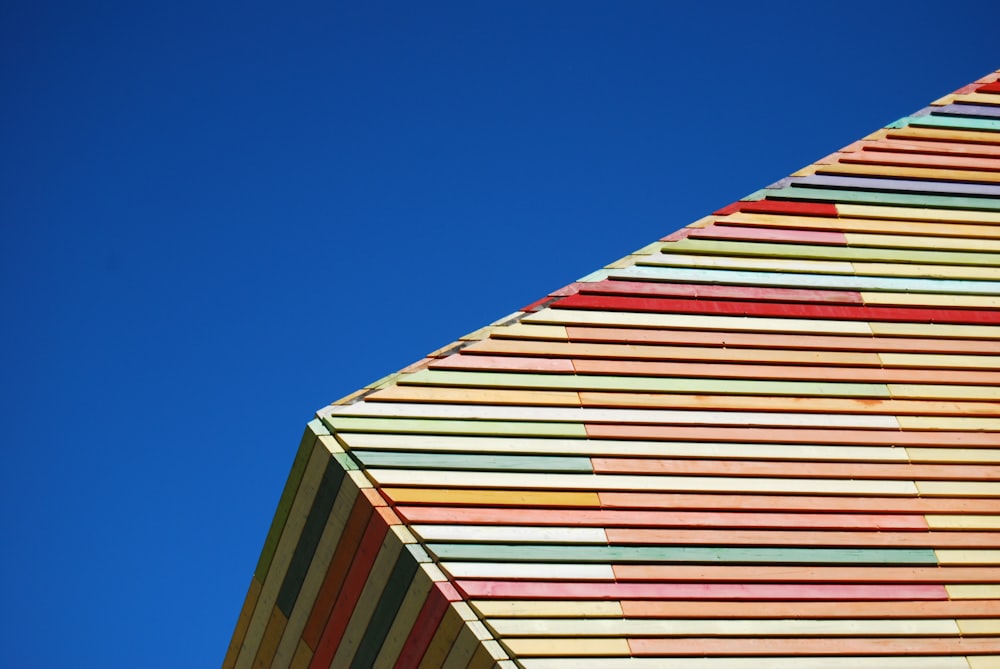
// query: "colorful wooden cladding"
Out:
[771,439]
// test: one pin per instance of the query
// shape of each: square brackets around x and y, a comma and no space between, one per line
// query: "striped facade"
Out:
[771,439]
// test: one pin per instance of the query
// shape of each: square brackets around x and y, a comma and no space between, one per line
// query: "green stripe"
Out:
[473,461]
[841,253]
[669,554]
[456,426]
[895,199]
[287,496]
[439,377]
[953,122]
[385,611]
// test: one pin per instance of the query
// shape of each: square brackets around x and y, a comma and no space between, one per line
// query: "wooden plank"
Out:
[269,640]
[959,488]
[976,627]
[474,461]
[442,641]
[870,225]
[894,185]
[585,482]
[406,618]
[810,404]
[935,330]
[588,382]
[804,503]
[814,646]
[458,426]
[931,300]
[630,351]
[982,455]
[462,650]
[779,373]
[679,627]
[479,412]
[511,533]
[476,396]
[616,518]
[838,196]
[777,435]
[941,173]
[977,591]
[385,612]
[427,626]
[938,361]
[963,522]
[775,340]
[916,242]
[838,253]
[984,661]
[302,656]
[870,277]
[686,537]
[623,286]
[458,495]
[565,648]
[799,662]
[592,447]
[675,257]
[950,423]
[851,210]
[782,310]
[938,392]
[969,556]
[730,611]
[512,608]
[852,470]
[755,592]
[791,573]
[697,322]
[538,571]
[669,555]
[761,234]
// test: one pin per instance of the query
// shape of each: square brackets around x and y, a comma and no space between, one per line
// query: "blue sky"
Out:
[220,217]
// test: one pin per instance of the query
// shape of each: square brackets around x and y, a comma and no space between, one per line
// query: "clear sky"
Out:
[220,217]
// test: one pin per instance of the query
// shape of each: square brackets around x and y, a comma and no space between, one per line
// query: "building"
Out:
[770,439]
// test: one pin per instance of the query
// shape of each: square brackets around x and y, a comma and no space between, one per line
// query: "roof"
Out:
[770,439]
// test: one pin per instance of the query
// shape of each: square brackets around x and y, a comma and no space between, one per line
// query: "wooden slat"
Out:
[587,482]
[680,627]
[799,662]
[810,592]
[826,610]
[803,503]
[814,646]
[804,538]
[808,574]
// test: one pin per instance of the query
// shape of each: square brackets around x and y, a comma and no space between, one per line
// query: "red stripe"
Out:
[782,310]
[771,235]
[723,591]
[354,583]
[781,207]
[423,630]
[993,87]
